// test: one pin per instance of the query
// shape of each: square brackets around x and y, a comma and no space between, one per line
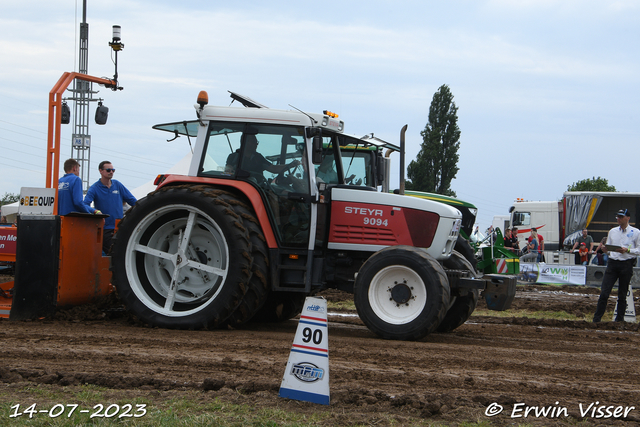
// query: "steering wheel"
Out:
[286,175]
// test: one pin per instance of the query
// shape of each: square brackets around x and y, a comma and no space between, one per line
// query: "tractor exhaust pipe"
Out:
[402,132]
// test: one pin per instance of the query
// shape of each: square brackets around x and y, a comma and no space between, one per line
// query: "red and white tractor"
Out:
[254,228]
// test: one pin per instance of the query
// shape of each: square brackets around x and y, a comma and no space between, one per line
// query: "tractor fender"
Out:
[244,188]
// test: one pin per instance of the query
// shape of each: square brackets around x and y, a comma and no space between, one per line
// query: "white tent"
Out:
[180,168]
[10,211]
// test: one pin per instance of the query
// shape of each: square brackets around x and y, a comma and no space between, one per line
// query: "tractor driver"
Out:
[254,162]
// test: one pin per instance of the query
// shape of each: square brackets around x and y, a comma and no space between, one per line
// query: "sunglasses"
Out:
[109,170]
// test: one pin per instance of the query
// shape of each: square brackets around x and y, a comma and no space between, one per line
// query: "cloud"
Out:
[557,76]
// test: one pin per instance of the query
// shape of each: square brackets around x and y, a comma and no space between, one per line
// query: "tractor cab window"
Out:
[327,171]
[357,167]
[272,159]
[224,140]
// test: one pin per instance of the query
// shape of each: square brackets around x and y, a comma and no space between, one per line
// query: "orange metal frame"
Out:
[53,138]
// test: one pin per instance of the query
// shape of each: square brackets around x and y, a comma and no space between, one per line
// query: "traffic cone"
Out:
[630,312]
[306,377]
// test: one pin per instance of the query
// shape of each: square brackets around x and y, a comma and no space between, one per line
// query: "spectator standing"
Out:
[620,264]
[588,241]
[108,195]
[70,190]
[516,242]
[509,241]
[539,241]
[601,256]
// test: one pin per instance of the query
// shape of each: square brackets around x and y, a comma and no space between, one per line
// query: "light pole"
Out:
[83,95]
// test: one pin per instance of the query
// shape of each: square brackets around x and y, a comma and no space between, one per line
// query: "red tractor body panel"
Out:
[243,187]
[383,225]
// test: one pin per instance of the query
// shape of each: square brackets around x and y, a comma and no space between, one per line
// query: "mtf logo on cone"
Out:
[307,374]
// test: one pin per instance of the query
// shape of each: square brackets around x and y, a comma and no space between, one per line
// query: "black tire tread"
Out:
[258,289]
[236,287]
[280,306]
[463,306]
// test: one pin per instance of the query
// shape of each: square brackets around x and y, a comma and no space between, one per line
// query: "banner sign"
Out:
[553,274]
[8,238]
[36,201]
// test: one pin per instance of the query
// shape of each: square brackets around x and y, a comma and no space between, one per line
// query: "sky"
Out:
[547,91]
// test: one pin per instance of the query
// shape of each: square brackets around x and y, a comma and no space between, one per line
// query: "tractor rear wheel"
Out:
[182,258]
[462,307]
[401,293]
[258,290]
[280,306]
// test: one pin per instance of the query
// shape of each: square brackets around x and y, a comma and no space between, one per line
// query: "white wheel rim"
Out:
[388,290]
[186,260]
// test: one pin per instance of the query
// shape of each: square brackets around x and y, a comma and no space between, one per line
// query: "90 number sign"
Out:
[308,335]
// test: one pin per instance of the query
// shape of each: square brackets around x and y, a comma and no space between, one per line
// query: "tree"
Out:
[436,164]
[593,184]
[9,198]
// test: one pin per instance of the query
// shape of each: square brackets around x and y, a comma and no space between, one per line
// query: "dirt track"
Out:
[445,378]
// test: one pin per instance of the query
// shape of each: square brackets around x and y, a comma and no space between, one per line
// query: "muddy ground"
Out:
[487,364]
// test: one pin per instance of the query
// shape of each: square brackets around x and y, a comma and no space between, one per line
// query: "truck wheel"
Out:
[182,258]
[463,246]
[280,306]
[462,307]
[401,293]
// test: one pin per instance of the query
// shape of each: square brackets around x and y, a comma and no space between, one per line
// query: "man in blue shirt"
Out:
[108,196]
[70,190]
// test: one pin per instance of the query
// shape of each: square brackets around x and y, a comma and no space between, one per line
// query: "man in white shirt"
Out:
[620,265]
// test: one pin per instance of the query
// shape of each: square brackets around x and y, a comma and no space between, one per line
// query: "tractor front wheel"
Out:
[401,293]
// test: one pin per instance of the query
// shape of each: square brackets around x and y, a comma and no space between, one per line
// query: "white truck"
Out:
[543,216]
[561,222]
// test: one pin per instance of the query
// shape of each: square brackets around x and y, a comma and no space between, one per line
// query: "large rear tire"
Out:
[280,306]
[258,289]
[462,307]
[182,258]
[401,293]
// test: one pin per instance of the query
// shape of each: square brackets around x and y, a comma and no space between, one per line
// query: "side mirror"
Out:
[316,153]
[381,167]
